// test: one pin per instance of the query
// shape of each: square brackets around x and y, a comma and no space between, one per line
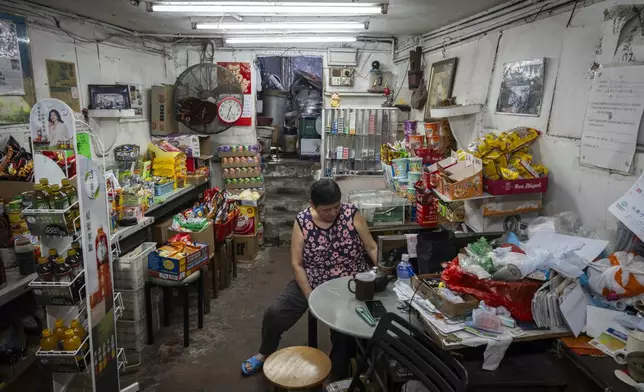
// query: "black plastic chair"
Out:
[398,339]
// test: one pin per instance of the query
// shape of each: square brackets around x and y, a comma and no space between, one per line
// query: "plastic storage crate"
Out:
[133,304]
[132,334]
[160,190]
[131,270]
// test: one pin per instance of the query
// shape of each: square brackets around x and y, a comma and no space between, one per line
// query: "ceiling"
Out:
[404,16]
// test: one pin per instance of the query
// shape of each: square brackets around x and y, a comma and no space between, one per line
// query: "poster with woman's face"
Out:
[52,125]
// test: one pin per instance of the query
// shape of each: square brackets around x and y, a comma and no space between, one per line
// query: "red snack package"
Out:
[181,237]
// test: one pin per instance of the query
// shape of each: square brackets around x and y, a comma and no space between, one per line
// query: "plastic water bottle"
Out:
[404,270]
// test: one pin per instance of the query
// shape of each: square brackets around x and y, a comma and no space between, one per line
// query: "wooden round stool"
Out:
[297,368]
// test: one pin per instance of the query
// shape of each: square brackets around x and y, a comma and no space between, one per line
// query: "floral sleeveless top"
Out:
[333,252]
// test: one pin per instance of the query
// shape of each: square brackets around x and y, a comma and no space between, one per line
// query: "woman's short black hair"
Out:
[325,192]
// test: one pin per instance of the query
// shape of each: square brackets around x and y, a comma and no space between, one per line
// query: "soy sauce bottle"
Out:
[62,271]
[45,270]
[53,255]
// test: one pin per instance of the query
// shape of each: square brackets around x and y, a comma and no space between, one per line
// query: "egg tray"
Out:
[229,154]
[250,174]
[236,165]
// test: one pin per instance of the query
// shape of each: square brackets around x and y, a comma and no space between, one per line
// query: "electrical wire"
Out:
[537,15]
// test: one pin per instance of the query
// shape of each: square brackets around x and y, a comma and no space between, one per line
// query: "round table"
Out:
[333,304]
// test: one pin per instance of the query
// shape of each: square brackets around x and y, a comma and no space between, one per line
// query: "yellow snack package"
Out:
[525,169]
[481,146]
[521,155]
[520,137]
[489,169]
[509,174]
[539,168]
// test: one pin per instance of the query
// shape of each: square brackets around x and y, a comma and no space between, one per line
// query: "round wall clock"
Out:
[229,110]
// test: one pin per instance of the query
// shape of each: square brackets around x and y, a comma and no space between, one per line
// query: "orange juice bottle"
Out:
[48,341]
[59,332]
[78,331]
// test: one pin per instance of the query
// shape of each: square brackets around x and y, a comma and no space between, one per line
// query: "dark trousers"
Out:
[289,306]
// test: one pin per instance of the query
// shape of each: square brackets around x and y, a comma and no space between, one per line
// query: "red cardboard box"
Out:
[510,187]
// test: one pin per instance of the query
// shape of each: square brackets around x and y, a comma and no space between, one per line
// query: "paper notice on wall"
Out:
[613,117]
[11,79]
[629,208]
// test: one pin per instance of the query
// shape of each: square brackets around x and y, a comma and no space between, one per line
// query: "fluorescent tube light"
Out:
[287,39]
[264,8]
[288,26]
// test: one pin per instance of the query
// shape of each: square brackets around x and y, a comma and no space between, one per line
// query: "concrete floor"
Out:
[231,334]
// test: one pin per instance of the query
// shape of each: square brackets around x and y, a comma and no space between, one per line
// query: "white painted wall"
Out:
[570,53]
[104,63]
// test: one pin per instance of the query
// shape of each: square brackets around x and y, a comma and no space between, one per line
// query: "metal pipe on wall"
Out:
[516,17]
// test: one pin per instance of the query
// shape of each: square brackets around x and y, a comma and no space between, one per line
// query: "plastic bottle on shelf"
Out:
[45,270]
[57,199]
[79,331]
[45,184]
[404,270]
[40,199]
[53,255]
[74,262]
[48,341]
[62,271]
[79,252]
[59,332]
[69,190]
[72,343]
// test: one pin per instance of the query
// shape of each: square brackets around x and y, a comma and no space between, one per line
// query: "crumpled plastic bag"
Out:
[566,222]
[515,296]
[621,273]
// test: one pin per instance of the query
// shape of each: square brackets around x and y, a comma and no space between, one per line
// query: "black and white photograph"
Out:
[522,88]
[109,96]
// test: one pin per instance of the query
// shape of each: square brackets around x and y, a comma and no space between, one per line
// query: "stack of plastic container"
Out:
[130,272]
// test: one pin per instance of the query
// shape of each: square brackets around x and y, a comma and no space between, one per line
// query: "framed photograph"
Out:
[522,88]
[111,96]
[441,83]
[136,97]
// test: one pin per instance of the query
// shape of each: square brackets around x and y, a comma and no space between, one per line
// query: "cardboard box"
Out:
[194,179]
[161,231]
[162,119]
[441,303]
[205,236]
[509,187]
[247,221]
[460,179]
[245,248]
[475,219]
[172,268]
[194,146]
[10,189]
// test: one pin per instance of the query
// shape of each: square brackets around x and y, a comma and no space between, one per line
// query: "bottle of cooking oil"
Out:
[72,343]
[69,190]
[57,199]
[62,271]
[78,331]
[59,332]
[48,341]
[40,199]
[45,184]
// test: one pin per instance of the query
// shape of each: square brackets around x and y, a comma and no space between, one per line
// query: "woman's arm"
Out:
[297,248]
[365,235]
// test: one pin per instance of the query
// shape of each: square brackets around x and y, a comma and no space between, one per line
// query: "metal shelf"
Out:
[15,288]
[126,231]
[169,197]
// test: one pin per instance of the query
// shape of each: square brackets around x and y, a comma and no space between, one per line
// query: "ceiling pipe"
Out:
[486,16]
[493,27]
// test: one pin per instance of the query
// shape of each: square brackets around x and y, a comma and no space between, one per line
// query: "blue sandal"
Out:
[255,366]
